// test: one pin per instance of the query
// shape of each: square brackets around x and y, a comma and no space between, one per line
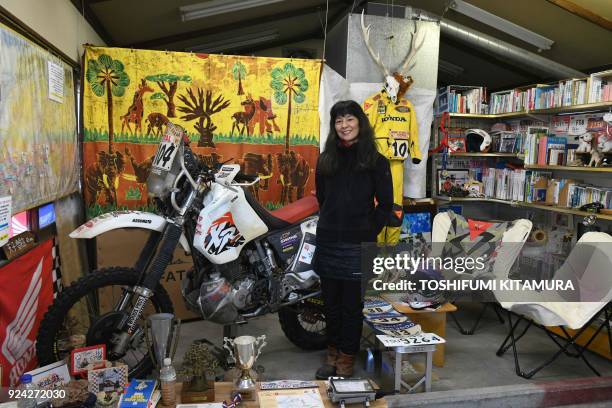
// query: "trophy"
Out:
[245,350]
[161,332]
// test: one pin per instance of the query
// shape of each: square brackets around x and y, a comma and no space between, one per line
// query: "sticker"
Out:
[400,150]
[5,219]
[222,235]
[382,109]
[403,109]
[307,253]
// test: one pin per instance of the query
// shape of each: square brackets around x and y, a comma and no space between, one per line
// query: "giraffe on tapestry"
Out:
[136,109]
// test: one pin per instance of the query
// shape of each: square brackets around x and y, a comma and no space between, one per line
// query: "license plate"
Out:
[418,339]
[169,145]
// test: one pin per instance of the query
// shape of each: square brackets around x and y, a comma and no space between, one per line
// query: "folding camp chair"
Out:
[588,266]
[517,234]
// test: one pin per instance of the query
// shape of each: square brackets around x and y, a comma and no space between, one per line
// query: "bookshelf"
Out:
[551,111]
[469,154]
[544,207]
[569,168]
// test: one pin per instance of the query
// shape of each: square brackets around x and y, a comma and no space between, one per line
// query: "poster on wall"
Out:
[38,139]
[258,112]
[26,291]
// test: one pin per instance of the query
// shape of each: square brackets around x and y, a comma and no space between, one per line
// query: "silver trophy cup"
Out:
[245,350]
[162,332]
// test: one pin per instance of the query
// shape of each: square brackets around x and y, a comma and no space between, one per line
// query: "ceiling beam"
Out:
[316,34]
[158,42]
[83,7]
[583,12]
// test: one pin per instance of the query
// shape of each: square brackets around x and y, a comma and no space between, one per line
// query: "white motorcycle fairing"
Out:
[124,219]
[226,223]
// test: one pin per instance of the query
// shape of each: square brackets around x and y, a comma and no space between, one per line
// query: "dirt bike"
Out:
[247,262]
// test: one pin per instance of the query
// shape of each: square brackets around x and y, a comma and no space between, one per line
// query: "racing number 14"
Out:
[164,153]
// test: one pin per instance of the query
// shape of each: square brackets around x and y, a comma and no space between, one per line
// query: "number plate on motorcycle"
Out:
[168,147]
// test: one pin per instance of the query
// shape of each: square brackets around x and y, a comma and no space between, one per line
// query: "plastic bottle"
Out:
[167,376]
[27,400]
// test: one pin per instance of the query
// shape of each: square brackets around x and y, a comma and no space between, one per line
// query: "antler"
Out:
[408,64]
[366,38]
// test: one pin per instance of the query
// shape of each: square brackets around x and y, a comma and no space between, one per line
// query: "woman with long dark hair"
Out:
[355,197]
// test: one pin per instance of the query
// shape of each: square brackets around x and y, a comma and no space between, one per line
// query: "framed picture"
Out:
[451,180]
[507,144]
[87,358]
[108,379]
[456,144]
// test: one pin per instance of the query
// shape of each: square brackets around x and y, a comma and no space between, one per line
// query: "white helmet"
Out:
[477,140]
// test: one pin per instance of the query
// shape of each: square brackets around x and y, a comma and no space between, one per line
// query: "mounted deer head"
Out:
[396,84]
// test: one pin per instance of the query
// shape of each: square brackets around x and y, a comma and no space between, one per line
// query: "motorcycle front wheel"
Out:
[304,324]
[85,312]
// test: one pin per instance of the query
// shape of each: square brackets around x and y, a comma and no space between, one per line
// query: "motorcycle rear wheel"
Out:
[304,324]
[51,346]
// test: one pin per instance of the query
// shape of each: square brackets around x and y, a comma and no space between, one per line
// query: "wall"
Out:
[58,21]
[315,44]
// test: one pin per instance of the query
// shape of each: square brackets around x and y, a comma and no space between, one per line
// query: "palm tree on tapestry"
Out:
[168,83]
[202,108]
[239,71]
[106,75]
[289,83]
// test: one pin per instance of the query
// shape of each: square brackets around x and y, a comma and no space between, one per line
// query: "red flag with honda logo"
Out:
[26,291]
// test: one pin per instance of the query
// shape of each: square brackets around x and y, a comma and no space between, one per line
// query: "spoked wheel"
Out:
[304,324]
[87,312]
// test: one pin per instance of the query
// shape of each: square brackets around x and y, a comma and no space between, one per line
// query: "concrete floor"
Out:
[470,360]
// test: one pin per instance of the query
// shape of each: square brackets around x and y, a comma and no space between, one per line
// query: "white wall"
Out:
[58,21]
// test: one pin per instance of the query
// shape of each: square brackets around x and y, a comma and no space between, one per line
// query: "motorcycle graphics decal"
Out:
[222,235]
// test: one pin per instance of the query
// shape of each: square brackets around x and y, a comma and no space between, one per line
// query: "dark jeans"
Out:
[343,313]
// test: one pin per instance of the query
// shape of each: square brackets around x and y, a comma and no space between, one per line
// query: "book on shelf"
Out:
[600,87]
[555,150]
[461,99]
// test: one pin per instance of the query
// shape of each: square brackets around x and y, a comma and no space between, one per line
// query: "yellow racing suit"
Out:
[396,132]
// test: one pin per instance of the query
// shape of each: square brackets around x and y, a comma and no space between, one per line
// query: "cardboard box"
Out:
[122,247]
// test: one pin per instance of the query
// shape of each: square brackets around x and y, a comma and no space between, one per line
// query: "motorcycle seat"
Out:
[283,217]
[298,210]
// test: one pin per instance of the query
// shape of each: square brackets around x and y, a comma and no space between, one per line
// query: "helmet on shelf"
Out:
[477,141]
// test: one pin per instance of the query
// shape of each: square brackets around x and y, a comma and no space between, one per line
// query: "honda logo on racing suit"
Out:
[222,235]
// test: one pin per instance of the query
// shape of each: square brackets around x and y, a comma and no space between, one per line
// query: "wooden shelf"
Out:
[569,168]
[563,210]
[544,207]
[551,111]
[467,154]
[472,199]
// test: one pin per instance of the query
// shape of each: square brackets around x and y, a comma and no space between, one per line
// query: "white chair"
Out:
[589,267]
[516,234]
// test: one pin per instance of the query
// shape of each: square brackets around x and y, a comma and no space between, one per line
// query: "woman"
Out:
[351,178]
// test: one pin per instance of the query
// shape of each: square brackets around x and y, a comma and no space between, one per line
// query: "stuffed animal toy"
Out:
[604,144]
[585,143]
[596,156]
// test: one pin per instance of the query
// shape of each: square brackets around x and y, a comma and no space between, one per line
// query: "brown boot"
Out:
[329,368]
[344,364]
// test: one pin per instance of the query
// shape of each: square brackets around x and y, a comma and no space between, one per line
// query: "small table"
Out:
[431,321]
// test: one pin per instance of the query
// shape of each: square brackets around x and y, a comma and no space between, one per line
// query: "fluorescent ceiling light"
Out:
[236,42]
[216,7]
[450,68]
[500,24]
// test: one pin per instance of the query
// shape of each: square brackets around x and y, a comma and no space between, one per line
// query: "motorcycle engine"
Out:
[225,293]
